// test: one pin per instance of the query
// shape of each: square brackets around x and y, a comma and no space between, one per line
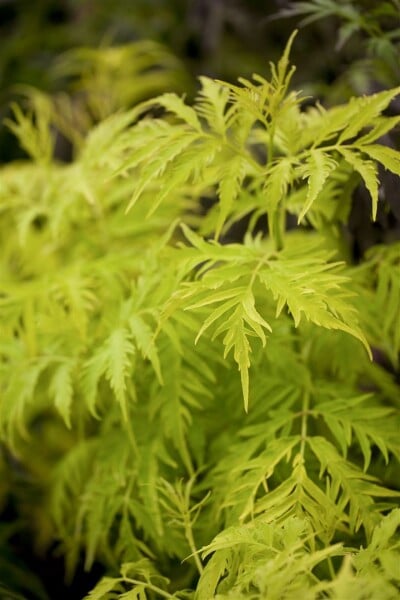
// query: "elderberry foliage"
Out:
[204,417]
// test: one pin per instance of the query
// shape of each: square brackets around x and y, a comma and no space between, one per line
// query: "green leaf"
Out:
[317,170]
[173,104]
[388,157]
[367,109]
[236,338]
[380,127]
[102,589]
[278,178]
[231,179]
[119,349]
[368,171]
[212,105]
[216,568]
[171,149]
[144,339]
[113,360]
[252,478]
[350,488]
[370,422]
[62,389]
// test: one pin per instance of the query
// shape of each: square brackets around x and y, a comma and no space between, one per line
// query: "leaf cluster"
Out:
[205,413]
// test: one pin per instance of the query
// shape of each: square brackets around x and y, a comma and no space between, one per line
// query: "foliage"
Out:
[202,417]
[378,25]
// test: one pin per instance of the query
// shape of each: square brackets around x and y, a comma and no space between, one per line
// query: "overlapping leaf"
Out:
[311,289]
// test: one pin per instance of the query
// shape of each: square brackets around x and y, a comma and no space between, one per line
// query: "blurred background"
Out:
[76,48]
[343,46]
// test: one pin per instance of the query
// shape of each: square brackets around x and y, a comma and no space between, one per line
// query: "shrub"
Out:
[202,416]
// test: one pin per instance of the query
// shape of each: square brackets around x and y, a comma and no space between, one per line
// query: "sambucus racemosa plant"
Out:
[202,417]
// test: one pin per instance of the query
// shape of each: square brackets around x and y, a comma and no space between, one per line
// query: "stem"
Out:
[278,226]
[187,523]
[131,435]
[185,455]
[260,263]
[270,155]
[304,420]
[127,496]
[331,568]
[192,545]
[259,168]
[151,587]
